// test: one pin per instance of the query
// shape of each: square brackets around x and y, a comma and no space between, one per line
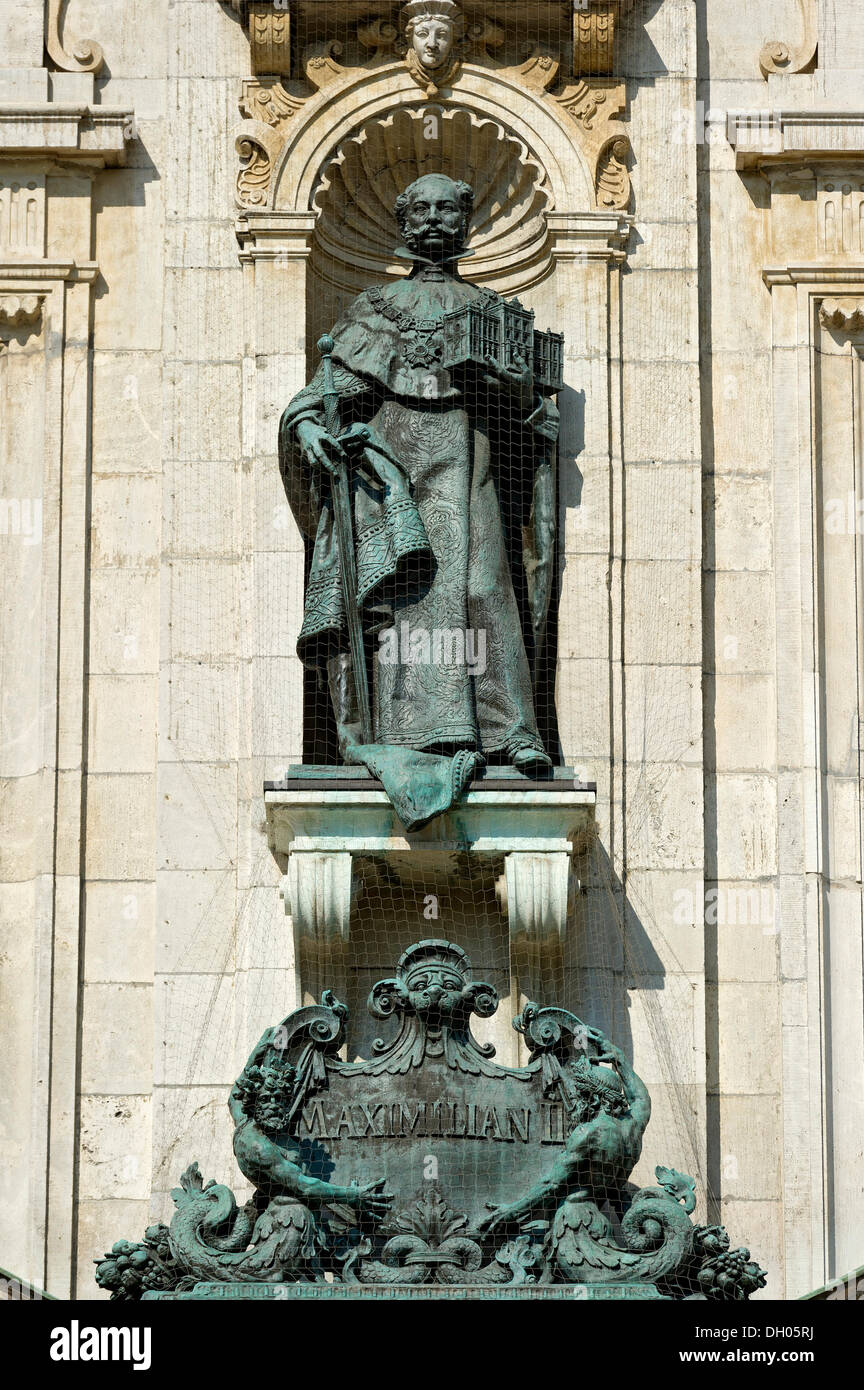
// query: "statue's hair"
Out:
[420,11]
[266,1093]
[464,193]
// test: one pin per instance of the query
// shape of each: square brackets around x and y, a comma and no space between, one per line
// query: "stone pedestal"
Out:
[326,819]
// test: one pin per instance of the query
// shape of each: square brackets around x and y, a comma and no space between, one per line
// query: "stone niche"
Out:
[340,116]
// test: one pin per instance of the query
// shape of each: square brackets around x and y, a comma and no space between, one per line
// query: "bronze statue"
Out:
[433,462]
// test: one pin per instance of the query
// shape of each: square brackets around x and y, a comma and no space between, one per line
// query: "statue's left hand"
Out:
[518,378]
[605,1049]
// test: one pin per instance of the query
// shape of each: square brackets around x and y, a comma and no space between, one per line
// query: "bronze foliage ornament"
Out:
[531,1191]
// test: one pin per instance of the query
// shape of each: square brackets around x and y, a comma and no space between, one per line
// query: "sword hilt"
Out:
[330,394]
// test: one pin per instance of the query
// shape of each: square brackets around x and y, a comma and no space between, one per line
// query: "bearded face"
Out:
[433,216]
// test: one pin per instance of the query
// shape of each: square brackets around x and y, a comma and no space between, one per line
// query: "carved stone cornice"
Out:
[81,55]
[17,274]
[815,275]
[761,139]
[92,134]
[813,163]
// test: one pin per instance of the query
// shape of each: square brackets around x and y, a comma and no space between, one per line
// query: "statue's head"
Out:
[432,28]
[597,1088]
[434,214]
[266,1092]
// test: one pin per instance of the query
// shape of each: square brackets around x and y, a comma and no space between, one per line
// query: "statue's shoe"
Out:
[531,759]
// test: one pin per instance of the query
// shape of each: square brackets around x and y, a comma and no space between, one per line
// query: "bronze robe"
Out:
[432,552]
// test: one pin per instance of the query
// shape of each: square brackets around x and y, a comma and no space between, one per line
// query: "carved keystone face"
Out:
[432,40]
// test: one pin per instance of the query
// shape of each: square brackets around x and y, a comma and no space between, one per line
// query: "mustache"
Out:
[437,228]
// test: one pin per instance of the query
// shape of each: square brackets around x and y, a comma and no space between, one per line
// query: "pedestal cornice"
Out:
[91,134]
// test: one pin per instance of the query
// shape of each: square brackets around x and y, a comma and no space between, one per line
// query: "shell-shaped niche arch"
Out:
[356,233]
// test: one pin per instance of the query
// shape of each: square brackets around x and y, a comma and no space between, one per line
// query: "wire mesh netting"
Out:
[413,595]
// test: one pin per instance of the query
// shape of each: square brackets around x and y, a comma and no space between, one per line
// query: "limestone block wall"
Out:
[779,199]
[709,675]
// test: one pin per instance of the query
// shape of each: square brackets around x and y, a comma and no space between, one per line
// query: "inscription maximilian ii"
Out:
[440,1119]
[354,1165]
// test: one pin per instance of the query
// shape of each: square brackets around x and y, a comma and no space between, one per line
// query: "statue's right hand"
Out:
[319,446]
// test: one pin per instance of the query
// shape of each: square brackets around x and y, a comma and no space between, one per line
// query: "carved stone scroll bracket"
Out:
[269,29]
[258,146]
[593,39]
[318,890]
[532,835]
[81,55]
[537,892]
[268,106]
[596,109]
[780,57]
[613,175]
[594,34]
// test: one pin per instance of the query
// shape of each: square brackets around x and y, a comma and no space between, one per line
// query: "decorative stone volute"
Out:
[783,56]
[73,55]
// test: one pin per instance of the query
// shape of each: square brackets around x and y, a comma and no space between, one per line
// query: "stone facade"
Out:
[681,189]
